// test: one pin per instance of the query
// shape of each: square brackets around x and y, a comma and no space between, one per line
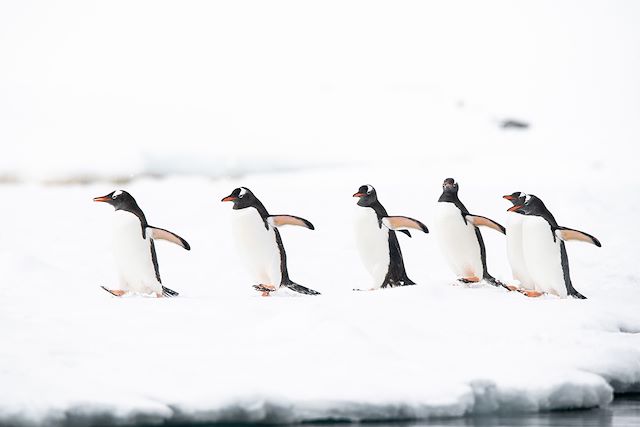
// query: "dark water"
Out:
[623,412]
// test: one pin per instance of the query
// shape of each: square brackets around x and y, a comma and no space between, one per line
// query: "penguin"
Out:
[460,239]
[544,250]
[377,241]
[134,248]
[258,240]
[514,245]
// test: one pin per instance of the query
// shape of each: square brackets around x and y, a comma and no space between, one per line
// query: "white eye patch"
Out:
[116,194]
[369,189]
[243,191]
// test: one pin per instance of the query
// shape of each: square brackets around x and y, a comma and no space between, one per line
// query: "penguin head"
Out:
[367,195]
[120,200]
[450,186]
[530,205]
[242,198]
[517,198]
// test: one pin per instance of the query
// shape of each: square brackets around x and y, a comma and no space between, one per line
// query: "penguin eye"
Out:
[240,196]
[114,196]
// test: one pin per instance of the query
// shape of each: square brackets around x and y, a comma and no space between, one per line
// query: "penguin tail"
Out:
[495,282]
[299,288]
[575,294]
[169,293]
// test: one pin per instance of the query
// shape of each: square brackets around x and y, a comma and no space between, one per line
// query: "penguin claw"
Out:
[265,289]
[114,292]
[530,294]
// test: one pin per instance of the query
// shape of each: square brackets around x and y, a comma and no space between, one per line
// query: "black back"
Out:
[243,198]
[450,195]
[396,273]
[534,206]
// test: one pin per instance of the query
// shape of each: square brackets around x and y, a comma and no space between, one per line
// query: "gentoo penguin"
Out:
[259,242]
[514,244]
[543,247]
[133,247]
[377,241]
[460,239]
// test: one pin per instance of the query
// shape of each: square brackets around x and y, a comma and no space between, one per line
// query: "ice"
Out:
[181,104]
[219,352]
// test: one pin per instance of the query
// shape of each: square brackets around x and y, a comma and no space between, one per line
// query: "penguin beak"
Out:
[102,199]
[229,199]
[359,195]
[514,208]
[508,197]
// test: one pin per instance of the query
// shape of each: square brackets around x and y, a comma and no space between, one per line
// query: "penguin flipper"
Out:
[169,293]
[300,289]
[162,234]
[483,221]
[566,234]
[402,223]
[280,220]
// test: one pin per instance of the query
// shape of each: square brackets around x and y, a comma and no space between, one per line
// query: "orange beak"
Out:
[514,208]
[359,195]
[229,199]
[101,199]
[508,197]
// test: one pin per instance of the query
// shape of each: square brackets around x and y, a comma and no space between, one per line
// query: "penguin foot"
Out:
[468,280]
[530,294]
[114,292]
[265,289]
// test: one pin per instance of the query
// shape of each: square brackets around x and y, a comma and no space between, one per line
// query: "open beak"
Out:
[508,197]
[229,199]
[514,208]
[359,195]
[102,199]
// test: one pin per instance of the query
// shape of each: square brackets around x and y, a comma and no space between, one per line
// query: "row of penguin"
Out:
[535,244]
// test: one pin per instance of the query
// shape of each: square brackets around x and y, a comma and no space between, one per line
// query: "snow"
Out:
[180,105]
[219,352]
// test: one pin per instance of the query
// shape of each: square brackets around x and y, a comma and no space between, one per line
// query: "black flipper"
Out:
[300,289]
[405,232]
[564,261]
[169,293]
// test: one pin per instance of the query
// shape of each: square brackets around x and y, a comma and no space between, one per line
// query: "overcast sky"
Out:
[89,84]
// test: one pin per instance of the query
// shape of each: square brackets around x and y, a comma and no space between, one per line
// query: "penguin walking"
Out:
[514,245]
[377,241]
[259,242]
[460,239]
[544,250]
[134,248]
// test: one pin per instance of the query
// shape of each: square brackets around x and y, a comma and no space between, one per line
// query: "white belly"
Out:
[515,250]
[457,241]
[542,255]
[257,246]
[373,244]
[133,255]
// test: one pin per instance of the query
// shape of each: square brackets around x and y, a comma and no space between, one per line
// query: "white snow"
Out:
[221,353]
[254,94]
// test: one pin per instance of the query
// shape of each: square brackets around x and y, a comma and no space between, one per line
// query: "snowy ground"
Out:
[70,352]
[399,98]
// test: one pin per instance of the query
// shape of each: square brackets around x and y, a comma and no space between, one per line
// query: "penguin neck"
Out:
[135,210]
[547,216]
[262,211]
[378,209]
[449,197]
